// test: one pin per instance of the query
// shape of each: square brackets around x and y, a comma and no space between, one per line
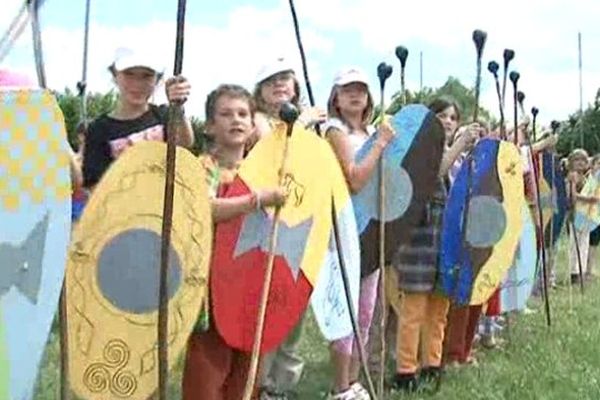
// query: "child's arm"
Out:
[586,199]
[357,174]
[178,90]
[76,175]
[225,209]
[464,138]
[543,144]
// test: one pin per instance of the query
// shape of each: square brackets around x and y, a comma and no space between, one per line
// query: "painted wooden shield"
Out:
[476,257]
[328,301]
[553,197]
[412,161]
[587,215]
[241,245]
[518,284]
[35,226]
[113,273]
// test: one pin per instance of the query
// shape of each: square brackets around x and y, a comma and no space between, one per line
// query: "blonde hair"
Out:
[575,155]
[334,111]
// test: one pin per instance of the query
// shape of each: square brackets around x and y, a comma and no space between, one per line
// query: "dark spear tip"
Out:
[288,113]
[508,55]
[514,77]
[402,54]
[555,125]
[384,71]
[493,67]
[520,96]
[479,37]
[534,111]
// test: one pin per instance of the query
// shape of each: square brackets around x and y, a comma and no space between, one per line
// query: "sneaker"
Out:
[431,374]
[528,311]
[488,341]
[360,391]
[347,394]
[406,383]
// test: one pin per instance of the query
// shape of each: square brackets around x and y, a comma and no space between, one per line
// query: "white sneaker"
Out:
[347,394]
[360,391]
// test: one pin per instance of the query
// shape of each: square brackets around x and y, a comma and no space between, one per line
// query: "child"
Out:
[595,234]
[277,84]
[578,164]
[213,370]
[423,313]
[350,109]
[134,119]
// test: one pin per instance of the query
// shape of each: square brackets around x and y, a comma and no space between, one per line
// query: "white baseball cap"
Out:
[126,58]
[350,75]
[273,67]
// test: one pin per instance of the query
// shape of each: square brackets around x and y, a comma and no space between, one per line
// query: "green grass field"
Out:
[560,363]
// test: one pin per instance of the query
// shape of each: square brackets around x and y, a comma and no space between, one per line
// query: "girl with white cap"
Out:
[277,84]
[350,108]
[136,75]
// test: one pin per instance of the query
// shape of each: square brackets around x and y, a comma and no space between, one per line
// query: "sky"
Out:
[227,41]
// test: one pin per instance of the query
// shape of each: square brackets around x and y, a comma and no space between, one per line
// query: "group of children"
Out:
[430,332]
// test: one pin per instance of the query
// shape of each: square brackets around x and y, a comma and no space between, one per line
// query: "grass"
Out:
[560,363]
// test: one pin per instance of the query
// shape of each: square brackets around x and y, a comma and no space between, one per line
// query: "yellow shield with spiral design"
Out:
[113,273]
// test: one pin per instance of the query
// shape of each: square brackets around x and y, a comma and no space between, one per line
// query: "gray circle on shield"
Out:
[398,192]
[486,221]
[129,271]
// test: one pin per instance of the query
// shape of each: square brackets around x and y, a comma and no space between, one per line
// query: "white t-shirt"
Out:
[357,139]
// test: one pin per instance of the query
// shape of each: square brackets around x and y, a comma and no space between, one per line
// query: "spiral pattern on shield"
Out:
[123,384]
[116,353]
[97,378]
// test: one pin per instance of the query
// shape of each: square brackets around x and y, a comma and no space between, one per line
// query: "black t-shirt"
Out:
[107,138]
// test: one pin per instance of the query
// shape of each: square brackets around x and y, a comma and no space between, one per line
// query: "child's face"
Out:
[596,165]
[580,164]
[449,120]
[278,89]
[136,85]
[352,98]
[232,123]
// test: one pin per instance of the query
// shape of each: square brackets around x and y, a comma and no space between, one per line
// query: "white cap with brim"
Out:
[350,75]
[126,58]
[274,67]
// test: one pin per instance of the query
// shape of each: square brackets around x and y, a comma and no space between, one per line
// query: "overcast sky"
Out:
[227,41]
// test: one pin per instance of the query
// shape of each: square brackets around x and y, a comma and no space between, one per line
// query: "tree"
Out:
[201,141]
[581,130]
[453,89]
[70,104]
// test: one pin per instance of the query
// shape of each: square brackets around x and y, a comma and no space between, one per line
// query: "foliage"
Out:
[70,104]
[581,130]
[453,89]
[201,141]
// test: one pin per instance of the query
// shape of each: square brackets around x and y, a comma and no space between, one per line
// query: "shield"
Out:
[412,161]
[328,301]
[35,226]
[113,273]
[241,245]
[478,249]
[518,284]
[587,216]
[553,196]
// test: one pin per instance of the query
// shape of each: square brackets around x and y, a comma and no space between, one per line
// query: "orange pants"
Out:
[213,370]
[422,317]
